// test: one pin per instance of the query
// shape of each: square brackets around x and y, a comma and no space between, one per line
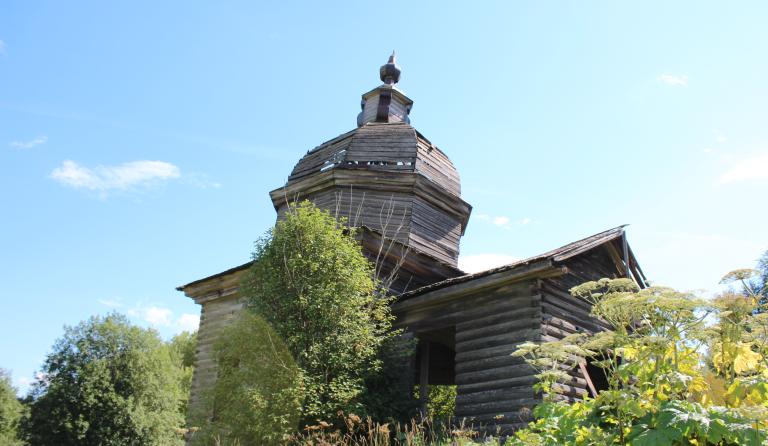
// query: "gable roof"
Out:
[555,256]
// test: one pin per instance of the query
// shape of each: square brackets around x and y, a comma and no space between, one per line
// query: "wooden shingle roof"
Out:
[381,146]
[555,256]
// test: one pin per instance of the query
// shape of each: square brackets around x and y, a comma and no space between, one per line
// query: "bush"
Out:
[312,284]
[258,392]
[107,383]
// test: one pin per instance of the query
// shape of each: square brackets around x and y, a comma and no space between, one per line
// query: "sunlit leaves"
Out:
[654,354]
[739,274]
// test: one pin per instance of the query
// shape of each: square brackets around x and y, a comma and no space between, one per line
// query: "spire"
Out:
[386,103]
[390,72]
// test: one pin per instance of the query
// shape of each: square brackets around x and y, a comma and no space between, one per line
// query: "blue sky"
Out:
[139,140]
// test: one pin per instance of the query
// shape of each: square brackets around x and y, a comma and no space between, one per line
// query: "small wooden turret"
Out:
[386,103]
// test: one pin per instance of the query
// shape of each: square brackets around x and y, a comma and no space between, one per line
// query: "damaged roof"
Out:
[556,255]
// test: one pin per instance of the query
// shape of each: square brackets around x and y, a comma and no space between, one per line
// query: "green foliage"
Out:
[547,358]
[11,411]
[442,402]
[107,382]
[387,394]
[659,391]
[754,282]
[312,284]
[182,348]
[259,389]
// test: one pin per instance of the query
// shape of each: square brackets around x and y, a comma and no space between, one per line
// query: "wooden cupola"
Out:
[386,176]
[386,103]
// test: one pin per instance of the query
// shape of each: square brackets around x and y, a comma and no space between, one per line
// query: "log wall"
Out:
[563,314]
[493,388]
[220,301]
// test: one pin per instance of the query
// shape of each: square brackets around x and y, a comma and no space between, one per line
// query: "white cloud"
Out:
[156,316]
[29,144]
[201,181]
[119,177]
[24,381]
[721,139]
[188,322]
[2,47]
[501,221]
[675,80]
[481,262]
[152,314]
[111,303]
[748,169]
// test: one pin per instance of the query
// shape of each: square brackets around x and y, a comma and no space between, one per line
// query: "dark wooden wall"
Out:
[563,314]
[492,386]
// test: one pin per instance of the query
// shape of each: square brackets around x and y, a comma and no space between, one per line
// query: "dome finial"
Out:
[390,72]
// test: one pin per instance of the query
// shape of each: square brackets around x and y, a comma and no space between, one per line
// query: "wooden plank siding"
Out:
[214,315]
[401,215]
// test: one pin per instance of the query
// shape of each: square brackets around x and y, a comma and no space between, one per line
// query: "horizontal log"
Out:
[528,318]
[497,340]
[489,352]
[506,405]
[455,312]
[498,373]
[525,380]
[501,316]
[493,395]
[483,364]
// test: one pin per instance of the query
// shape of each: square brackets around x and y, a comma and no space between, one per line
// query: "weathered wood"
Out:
[483,364]
[526,317]
[524,380]
[587,378]
[424,377]
[496,340]
[489,352]
[491,407]
[495,374]
[508,393]
[463,310]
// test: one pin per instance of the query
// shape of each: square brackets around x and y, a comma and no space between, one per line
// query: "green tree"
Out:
[11,411]
[759,284]
[257,397]
[107,382]
[182,348]
[312,284]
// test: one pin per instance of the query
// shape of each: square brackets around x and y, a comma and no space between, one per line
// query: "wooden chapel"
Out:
[404,193]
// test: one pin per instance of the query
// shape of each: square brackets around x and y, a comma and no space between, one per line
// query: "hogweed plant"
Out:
[663,354]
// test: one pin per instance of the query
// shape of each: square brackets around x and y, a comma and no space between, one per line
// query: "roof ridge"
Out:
[563,252]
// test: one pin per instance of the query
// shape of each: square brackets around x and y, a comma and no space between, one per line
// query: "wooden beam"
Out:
[424,377]
[451,292]
[590,384]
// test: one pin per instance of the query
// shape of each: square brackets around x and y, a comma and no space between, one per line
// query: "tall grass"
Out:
[356,431]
